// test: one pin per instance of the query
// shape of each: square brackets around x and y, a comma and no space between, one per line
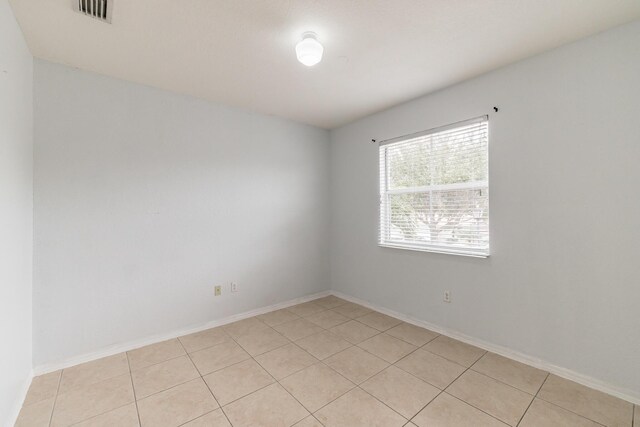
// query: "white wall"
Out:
[144,200]
[563,281]
[16,213]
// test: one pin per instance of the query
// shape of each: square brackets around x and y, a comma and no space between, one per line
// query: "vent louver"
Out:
[98,9]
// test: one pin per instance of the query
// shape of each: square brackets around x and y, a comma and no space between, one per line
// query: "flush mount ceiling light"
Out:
[309,50]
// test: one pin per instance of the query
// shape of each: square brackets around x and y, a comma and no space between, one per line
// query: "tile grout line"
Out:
[530,403]
[258,363]
[284,388]
[468,403]
[318,362]
[558,406]
[569,410]
[133,387]
[441,390]
[205,384]
[217,401]
[533,400]
[55,399]
[482,410]
[444,390]
[358,386]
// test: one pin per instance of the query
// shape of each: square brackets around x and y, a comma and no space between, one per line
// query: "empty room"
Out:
[319,213]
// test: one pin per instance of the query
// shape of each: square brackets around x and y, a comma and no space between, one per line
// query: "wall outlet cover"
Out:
[447,296]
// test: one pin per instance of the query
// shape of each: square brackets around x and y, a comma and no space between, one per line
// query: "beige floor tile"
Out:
[285,361]
[447,411]
[204,339]
[589,403]
[43,387]
[84,402]
[387,347]
[354,331]
[278,317]
[310,421]
[237,381]
[412,334]
[93,372]
[270,407]
[125,416]
[504,402]
[323,344]
[306,309]
[316,386]
[217,357]
[262,341]
[431,368]
[242,327]
[331,301]
[327,319]
[155,353]
[544,414]
[379,321]
[297,329]
[516,374]
[356,364]
[358,409]
[215,418]
[156,378]
[454,350]
[352,310]
[36,415]
[177,405]
[401,391]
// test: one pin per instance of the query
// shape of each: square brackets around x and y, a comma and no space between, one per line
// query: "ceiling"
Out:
[378,53]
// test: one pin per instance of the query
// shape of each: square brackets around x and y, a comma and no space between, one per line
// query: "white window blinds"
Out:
[434,190]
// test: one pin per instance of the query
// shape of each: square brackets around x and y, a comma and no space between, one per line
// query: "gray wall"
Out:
[144,200]
[16,213]
[563,281]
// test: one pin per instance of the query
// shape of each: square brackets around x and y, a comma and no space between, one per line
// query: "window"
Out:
[434,190]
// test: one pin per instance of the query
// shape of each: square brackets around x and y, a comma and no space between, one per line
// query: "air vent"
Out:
[98,9]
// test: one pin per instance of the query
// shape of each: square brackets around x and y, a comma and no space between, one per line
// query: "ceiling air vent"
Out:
[98,9]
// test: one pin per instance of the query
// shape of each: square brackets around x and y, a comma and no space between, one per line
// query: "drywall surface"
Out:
[145,200]
[562,281]
[16,213]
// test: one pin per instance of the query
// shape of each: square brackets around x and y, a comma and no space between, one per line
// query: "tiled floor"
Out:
[323,363]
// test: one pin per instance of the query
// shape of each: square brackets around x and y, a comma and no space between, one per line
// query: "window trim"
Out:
[431,248]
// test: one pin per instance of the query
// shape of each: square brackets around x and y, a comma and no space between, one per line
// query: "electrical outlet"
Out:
[234,287]
[447,296]
[217,290]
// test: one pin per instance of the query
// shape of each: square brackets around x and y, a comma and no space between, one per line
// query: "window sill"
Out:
[461,252]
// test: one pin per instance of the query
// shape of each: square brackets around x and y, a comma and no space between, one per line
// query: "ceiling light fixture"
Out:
[309,50]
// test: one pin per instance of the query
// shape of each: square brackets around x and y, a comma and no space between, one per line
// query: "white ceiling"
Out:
[378,53]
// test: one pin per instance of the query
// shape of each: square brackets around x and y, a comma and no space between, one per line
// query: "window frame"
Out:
[385,192]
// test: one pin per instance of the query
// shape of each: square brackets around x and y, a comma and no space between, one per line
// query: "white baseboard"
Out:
[13,417]
[131,345]
[626,394]
[623,393]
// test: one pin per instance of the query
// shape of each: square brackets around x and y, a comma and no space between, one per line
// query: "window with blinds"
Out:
[434,190]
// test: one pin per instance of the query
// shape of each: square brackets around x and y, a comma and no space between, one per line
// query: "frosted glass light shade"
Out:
[309,50]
